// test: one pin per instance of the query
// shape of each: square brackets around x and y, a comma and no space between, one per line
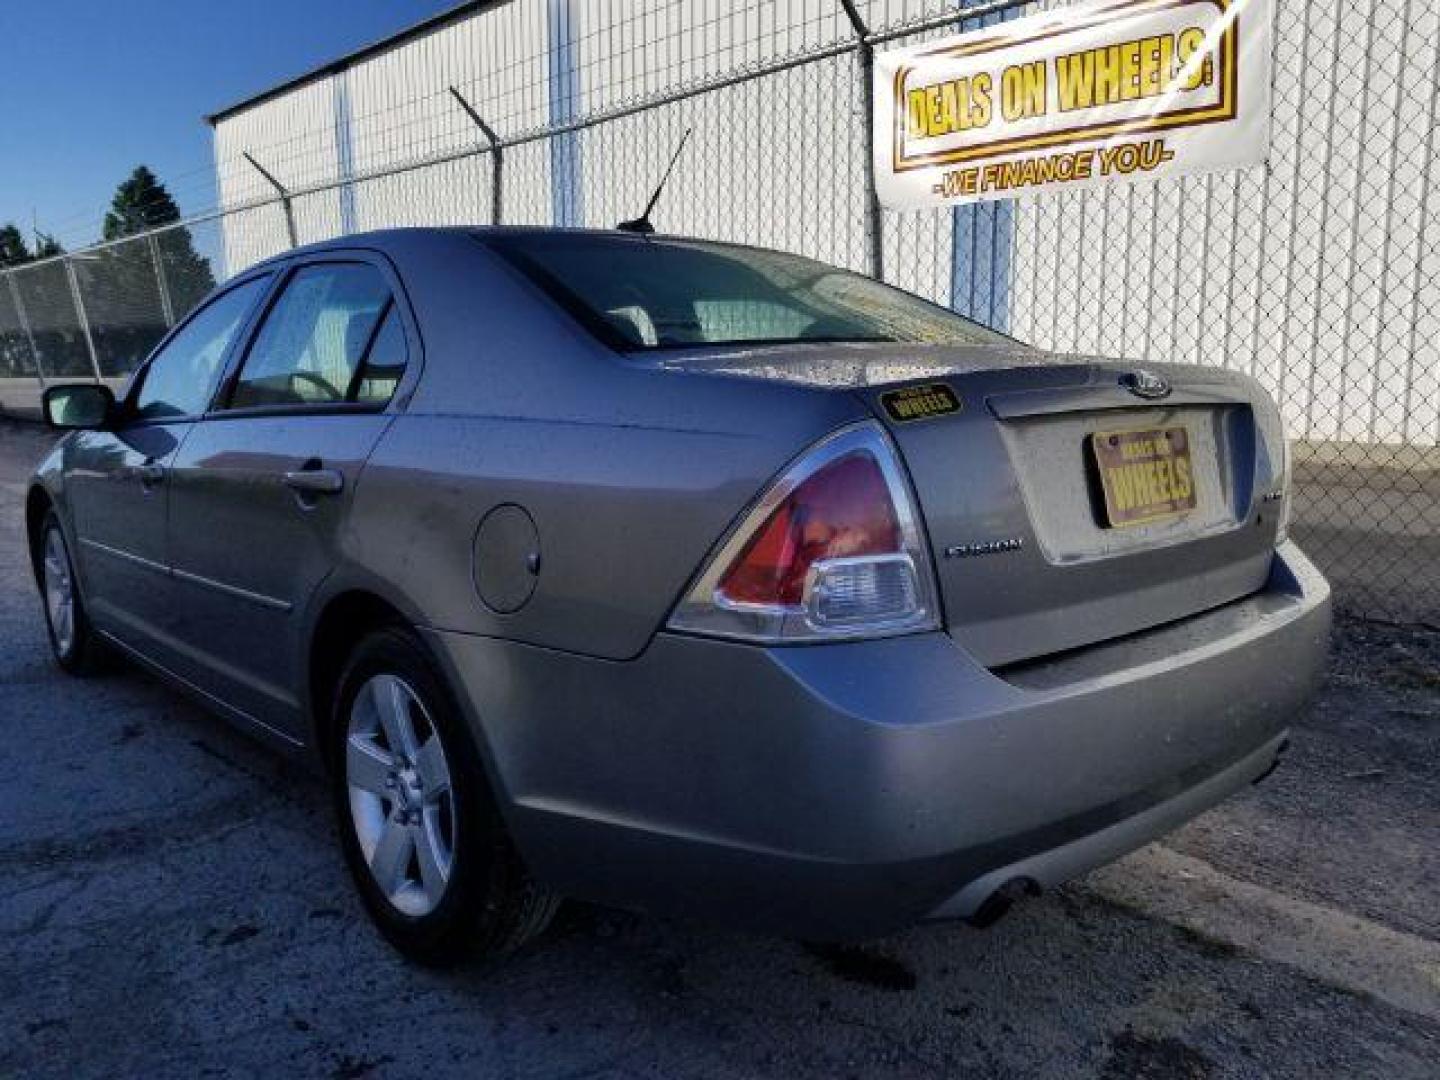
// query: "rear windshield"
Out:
[670,294]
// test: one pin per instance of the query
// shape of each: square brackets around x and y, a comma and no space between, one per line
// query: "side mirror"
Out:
[79,406]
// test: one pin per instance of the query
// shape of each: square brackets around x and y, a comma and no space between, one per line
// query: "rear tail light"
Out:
[832,550]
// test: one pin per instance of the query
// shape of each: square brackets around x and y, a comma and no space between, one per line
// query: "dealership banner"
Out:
[1085,95]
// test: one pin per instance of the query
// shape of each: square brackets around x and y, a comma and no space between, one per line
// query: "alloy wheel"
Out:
[402,804]
[59,592]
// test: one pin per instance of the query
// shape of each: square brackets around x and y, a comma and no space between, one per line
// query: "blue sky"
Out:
[91,88]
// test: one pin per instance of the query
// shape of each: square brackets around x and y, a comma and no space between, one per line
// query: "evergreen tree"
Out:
[13,250]
[142,203]
[14,349]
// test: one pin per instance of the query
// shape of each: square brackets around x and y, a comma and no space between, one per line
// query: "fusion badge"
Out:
[984,547]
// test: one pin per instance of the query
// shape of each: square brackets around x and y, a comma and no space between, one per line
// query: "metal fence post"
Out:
[167,308]
[874,222]
[284,193]
[25,326]
[498,152]
[84,319]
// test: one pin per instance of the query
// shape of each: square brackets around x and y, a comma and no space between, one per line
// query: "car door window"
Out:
[181,379]
[313,346]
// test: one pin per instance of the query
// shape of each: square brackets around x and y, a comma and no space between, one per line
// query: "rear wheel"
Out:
[421,833]
[73,641]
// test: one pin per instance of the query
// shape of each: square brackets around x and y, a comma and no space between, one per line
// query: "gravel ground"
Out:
[172,903]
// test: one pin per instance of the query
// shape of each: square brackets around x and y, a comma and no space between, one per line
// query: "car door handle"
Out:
[315,481]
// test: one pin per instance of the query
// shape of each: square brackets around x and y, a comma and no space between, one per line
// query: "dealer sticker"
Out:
[920,402]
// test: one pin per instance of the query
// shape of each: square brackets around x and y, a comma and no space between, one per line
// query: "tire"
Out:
[421,832]
[73,641]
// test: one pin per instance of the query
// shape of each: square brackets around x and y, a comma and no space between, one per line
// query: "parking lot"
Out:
[172,903]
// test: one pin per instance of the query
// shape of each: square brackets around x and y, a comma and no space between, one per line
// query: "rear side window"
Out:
[333,337]
[182,377]
[380,374]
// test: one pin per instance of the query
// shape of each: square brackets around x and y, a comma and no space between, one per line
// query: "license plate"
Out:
[1146,475]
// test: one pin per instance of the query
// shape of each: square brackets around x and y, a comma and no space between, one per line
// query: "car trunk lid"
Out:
[1031,557]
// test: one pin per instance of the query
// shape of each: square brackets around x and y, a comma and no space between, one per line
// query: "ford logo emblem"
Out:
[1145,384]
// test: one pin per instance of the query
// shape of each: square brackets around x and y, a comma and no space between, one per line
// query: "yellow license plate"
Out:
[1146,475]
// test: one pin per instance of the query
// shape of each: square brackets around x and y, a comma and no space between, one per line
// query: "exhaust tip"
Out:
[999,903]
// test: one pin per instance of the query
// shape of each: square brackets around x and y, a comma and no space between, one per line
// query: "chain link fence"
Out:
[1319,274]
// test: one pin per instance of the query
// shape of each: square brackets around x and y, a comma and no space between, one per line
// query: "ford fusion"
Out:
[686,577]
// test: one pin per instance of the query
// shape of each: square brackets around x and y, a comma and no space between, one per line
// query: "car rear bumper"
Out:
[844,791]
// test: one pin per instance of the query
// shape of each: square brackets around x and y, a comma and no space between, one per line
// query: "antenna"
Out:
[642,224]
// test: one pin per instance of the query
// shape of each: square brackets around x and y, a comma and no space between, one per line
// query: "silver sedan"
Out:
[684,576]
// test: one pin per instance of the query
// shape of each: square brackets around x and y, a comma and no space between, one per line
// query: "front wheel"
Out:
[422,836]
[73,641]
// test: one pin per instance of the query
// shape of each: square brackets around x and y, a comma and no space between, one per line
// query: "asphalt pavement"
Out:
[172,903]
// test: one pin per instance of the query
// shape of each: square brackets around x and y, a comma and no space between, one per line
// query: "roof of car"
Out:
[403,238]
